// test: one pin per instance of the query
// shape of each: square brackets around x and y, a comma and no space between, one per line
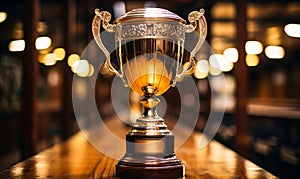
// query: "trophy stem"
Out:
[149,104]
[149,147]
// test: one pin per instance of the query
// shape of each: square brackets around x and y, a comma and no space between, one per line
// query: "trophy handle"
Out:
[196,18]
[96,26]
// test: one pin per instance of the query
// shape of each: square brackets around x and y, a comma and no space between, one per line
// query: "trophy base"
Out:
[150,156]
[140,169]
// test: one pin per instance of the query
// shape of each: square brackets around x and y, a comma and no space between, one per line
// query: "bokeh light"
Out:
[220,62]
[16,46]
[253,47]
[3,16]
[200,75]
[49,59]
[215,71]
[252,60]
[60,53]
[202,69]
[72,59]
[274,52]
[202,66]
[292,30]
[81,68]
[91,70]
[231,54]
[43,43]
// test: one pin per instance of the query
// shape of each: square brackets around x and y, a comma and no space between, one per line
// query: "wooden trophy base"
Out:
[171,169]
[150,157]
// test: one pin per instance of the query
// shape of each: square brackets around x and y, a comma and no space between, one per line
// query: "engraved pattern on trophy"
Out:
[148,30]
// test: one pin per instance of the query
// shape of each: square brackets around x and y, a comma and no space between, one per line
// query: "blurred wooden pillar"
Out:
[241,75]
[69,34]
[28,127]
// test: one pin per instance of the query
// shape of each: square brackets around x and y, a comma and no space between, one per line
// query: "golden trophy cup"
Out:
[149,55]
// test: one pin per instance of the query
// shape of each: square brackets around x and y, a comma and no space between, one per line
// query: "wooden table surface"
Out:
[77,158]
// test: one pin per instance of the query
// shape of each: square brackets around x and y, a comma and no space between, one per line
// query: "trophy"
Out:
[149,55]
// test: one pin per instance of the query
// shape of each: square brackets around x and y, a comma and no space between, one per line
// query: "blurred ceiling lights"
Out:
[292,30]
[266,23]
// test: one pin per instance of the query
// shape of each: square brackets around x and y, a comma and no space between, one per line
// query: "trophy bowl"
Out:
[149,54]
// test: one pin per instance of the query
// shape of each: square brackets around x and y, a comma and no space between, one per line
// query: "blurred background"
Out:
[256,41]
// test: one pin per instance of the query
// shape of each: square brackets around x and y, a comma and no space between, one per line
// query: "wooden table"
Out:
[77,158]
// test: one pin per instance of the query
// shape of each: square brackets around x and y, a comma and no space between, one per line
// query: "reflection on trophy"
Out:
[150,46]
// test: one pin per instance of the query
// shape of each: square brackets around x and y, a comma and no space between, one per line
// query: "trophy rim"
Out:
[149,14]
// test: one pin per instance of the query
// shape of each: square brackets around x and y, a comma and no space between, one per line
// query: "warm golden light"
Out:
[16,46]
[43,43]
[253,47]
[213,60]
[60,53]
[220,62]
[202,66]
[273,35]
[72,59]
[147,76]
[274,52]
[3,16]
[41,58]
[185,66]
[252,60]
[231,54]
[214,71]
[292,30]
[49,59]
[81,68]
[91,70]
[41,27]
[200,75]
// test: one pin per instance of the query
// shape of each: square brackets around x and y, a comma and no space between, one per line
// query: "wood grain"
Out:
[77,158]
